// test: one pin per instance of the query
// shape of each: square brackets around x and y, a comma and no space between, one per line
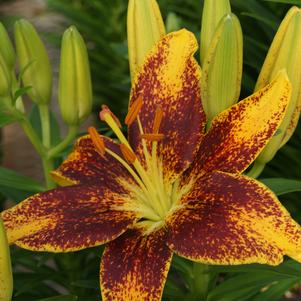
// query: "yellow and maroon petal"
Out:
[233,219]
[67,219]
[86,165]
[134,267]
[238,134]
[169,80]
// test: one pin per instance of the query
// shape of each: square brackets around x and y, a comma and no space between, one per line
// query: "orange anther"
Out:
[152,137]
[128,155]
[97,140]
[104,111]
[157,120]
[133,111]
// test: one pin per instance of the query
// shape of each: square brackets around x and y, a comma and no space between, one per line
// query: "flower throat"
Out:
[154,198]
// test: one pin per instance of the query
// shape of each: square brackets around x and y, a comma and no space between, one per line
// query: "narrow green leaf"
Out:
[21,92]
[243,286]
[268,22]
[86,283]
[295,2]
[36,123]
[61,298]
[282,186]
[276,290]
[289,269]
[14,194]
[10,178]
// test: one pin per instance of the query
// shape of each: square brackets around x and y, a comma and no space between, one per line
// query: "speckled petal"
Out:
[67,219]
[238,134]
[169,79]
[233,219]
[86,165]
[134,267]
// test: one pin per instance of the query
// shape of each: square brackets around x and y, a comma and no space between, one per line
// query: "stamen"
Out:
[97,140]
[105,112]
[113,122]
[133,111]
[128,155]
[157,120]
[152,137]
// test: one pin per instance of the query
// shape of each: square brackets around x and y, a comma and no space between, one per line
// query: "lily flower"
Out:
[168,187]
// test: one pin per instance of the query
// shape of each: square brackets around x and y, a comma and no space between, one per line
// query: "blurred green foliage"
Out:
[103,24]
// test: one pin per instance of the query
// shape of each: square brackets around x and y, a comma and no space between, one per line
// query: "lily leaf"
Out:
[294,2]
[36,123]
[21,92]
[61,298]
[9,178]
[282,186]
[276,290]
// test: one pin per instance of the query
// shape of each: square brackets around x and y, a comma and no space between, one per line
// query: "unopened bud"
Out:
[173,22]
[145,27]
[222,68]
[6,278]
[213,12]
[284,53]
[7,49]
[75,88]
[34,62]
[5,78]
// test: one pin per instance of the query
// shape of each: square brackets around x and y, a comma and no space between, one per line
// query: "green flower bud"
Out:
[213,12]
[145,27]
[222,68]
[6,278]
[75,89]
[7,50]
[5,78]
[284,53]
[34,62]
[173,22]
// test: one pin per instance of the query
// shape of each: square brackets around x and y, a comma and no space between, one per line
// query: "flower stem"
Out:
[39,147]
[32,136]
[200,283]
[256,170]
[64,143]
[48,166]
[45,124]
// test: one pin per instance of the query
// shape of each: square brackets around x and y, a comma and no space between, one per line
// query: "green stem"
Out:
[32,136]
[39,147]
[256,170]
[45,124]
[47,168]
[35,141]
[200,283]
[64,143]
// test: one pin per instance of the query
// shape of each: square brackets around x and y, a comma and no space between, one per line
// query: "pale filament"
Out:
[150,180]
